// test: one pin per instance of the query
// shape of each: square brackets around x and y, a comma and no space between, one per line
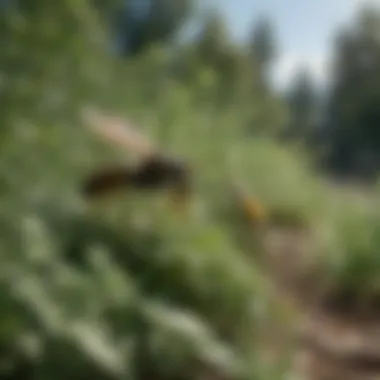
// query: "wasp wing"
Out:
[118,131]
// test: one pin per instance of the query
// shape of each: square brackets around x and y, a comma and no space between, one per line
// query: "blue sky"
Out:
[304,29]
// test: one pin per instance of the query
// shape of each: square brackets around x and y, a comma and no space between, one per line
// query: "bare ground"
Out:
[335,339]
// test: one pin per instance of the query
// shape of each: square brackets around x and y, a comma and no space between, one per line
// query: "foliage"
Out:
[139,24]
[353,110]
[122,290]
[129,288]
[263,44]
[304,106]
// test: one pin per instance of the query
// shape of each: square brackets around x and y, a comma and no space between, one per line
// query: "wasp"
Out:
[154,171]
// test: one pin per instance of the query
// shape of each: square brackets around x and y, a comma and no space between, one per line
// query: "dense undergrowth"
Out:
[103,283]
[129,289]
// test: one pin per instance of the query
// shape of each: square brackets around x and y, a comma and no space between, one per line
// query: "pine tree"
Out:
[143,23]
[303,104]
[353,113]
[263,44]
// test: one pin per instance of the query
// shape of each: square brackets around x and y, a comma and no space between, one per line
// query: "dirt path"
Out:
[333,348]
[329,345]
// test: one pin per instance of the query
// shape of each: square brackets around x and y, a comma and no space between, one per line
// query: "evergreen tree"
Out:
[353,113]
[303,105]
[263,44]
[143,23]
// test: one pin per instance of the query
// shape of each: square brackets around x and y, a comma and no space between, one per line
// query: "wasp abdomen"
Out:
[107,181]
[154,174]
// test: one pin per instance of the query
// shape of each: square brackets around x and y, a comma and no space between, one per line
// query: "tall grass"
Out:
[129,289]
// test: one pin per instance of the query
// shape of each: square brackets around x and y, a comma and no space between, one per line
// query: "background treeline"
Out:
[339,121]
[129,291]
[341,117]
